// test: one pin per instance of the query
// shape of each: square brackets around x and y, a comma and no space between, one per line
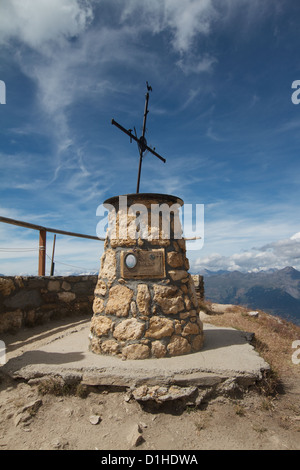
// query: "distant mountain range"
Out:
[276,291]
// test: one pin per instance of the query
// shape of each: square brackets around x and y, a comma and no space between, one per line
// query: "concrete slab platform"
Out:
[63,351]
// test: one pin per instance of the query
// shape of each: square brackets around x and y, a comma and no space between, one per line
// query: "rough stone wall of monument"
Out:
[152,317]
[145,320]
[29,301]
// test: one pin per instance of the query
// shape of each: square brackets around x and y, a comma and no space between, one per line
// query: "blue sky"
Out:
[220,113]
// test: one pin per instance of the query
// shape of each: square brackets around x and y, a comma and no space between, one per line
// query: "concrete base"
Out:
[226,362]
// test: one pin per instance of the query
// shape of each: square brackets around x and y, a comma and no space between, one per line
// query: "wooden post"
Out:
[42,252]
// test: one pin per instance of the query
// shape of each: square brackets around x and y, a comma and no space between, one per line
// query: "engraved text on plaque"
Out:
[141,264]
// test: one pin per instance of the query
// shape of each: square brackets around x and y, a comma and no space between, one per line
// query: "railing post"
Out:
[52,259]
[42,252]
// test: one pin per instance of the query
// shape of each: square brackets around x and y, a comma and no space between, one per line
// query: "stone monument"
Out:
[145,303]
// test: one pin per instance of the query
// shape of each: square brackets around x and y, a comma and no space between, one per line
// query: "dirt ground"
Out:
[34,419]
[103,420]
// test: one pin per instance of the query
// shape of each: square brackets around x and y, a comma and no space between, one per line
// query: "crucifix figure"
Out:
[142,142]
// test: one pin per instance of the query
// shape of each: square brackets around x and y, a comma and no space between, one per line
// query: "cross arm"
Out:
[156,154]
[142,144]
[128,132]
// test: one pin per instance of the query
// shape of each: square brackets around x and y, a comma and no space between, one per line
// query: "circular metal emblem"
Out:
[130,261]
[142,143]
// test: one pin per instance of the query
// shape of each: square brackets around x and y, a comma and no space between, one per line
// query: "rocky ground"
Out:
[52,417]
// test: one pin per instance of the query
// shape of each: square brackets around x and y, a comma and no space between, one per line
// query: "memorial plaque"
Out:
[142,264]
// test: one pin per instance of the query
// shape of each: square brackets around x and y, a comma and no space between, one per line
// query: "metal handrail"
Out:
[42,238]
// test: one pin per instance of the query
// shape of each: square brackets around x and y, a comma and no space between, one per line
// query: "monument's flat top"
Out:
[133,197]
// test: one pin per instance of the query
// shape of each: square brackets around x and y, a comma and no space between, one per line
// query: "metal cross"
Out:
[142,142]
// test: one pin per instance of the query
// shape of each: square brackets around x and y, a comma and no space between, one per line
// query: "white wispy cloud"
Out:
[47,32]
[183,19]
[188,19]
[197,65]
[37,23]
[279,254]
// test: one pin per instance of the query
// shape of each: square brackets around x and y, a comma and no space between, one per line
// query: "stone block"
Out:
[119,301]
[192,293]
[108,265]
[100,288]
[186,264]
[168,298]
[188,303]
[19,282]
[101,325]
[159,327]
[129,329]
[174,259]
[178,346]
[190,329]
[6,286]
[66,286]
[30,318]
[133,309]
[66,296]
[143,299]
[178,275]
[162,394]
[158,349]
[177,327]
[11,320]
[98,305]
[95,345]
[110,347]
[136,351]
[53,286]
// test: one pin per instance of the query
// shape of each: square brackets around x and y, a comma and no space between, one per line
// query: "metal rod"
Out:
[156,154]
[115,123]
[145,114]
[143,142]
[52,259]
[47,229]
[139,172]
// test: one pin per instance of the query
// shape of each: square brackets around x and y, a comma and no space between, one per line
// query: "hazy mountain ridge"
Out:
[275,291]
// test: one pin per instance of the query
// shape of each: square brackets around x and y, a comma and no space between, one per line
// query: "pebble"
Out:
[60,444]
[253,314]
[95,419]
[135,437]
